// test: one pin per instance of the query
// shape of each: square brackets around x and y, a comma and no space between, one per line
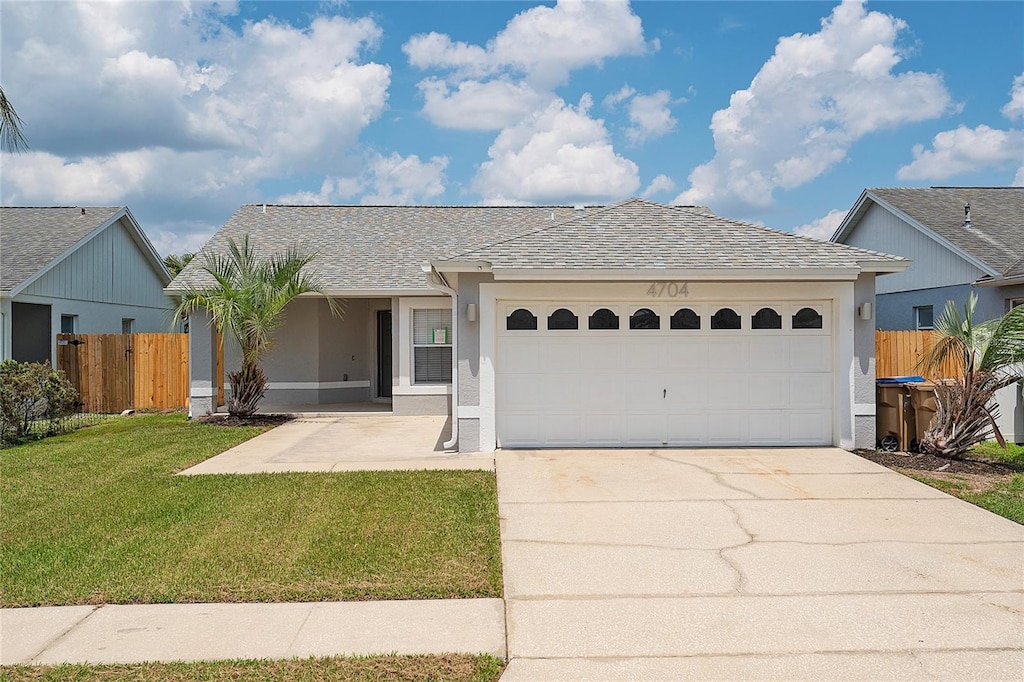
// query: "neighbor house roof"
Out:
[640,235]
[372,247]
[33,239]
[995,237]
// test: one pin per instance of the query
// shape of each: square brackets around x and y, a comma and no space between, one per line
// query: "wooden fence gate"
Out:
[898,354]
[116,372]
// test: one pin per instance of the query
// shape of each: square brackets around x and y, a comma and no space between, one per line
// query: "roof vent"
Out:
[579,209]
[83,211]
[967,215]
[264,208]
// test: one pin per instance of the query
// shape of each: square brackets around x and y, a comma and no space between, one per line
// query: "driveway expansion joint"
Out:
[60,637]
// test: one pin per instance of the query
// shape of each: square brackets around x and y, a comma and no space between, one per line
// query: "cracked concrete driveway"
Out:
[751,564]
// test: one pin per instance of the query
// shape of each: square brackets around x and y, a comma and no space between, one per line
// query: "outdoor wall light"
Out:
[471,312]
[864,311]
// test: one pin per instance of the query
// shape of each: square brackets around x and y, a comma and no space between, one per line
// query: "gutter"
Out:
[435,280]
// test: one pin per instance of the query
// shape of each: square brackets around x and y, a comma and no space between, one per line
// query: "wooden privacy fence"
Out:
[897,354]
[116,372]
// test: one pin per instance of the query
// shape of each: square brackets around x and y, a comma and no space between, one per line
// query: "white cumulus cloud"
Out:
[650,117]
[385,180]
[557,154]
[173,107]
[1015,107]
[808,104]
[659,185]
[964,150]
[824,227]
[475,105]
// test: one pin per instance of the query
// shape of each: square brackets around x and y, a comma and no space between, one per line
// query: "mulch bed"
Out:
[920,461]
[254,420]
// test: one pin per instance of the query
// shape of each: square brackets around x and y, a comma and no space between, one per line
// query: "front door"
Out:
[383,353]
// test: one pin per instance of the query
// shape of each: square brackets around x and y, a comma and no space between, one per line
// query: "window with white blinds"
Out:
[432,346]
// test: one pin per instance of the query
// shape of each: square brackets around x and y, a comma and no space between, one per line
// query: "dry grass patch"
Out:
[362,669]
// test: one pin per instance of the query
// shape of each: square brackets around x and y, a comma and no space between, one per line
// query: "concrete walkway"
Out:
[194,632]
[751,564]
[361,440]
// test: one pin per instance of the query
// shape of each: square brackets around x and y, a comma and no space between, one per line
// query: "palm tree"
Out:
[11,137]
[247,300]
[991,356]
[176,263]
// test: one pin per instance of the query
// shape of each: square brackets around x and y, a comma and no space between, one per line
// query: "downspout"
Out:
[435,280]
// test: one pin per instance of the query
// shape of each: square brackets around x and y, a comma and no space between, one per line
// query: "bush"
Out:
[31,393]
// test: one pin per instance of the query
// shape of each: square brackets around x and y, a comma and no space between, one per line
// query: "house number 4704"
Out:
[668,290]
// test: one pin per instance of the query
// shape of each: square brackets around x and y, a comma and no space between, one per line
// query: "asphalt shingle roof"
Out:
[32,237]
[385,247]
[996,235]
[638,234]
[373,247]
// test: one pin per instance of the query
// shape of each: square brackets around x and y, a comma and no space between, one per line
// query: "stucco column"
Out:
[864,363]
[202,365]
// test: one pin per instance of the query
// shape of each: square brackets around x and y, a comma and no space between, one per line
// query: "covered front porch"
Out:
[362,361]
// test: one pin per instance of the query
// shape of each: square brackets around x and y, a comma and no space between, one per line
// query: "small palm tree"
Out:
[247,301]
[176,263]
[11,137]
[991,355]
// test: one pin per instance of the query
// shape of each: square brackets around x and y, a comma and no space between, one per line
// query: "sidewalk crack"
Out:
[53,641]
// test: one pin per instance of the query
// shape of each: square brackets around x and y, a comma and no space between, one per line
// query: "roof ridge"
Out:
[538,230]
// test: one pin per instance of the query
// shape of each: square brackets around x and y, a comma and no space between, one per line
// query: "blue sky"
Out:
[773,112]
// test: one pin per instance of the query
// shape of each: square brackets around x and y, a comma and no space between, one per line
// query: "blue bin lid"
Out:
[890,381]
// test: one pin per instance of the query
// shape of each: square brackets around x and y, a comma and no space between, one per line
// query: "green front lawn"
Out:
[358,669]
[97,516]
[991,450]
[1005,497]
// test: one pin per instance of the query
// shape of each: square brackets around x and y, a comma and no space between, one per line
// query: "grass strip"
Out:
[362,669]
[97,516]
[1004,497]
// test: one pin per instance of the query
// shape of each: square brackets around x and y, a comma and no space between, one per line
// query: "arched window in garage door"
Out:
[685,318]
[766,318]
[563,318]
[725,318]
[603,319]
[807,318]
[521,319]
[644,318]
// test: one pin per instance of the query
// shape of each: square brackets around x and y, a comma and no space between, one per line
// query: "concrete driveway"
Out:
[751,564]
[349,441]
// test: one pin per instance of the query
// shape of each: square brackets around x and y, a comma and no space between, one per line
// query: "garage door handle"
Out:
[664,393]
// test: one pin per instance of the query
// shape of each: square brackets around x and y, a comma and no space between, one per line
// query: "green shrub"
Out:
[31,393]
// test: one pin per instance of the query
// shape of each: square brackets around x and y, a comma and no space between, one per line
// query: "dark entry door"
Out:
[383,353]
[30,331]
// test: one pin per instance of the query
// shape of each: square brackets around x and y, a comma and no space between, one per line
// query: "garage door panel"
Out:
[810,354]
[558,355]
[600,354]
[727,428]
[644,353]
[560,391]
[811,427]
[519,392]
[604,428]
[687,354]
[810,390]
[686,391]
[768,427]
[643,392]
[519,430]
[645,429]
[769,390]
[687,429]
[729,391]
[562,429]
[601,390]
[770,353]
[728,354]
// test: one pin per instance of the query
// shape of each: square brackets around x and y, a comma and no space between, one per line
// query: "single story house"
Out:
[79,270]
[635,324]
[961,240]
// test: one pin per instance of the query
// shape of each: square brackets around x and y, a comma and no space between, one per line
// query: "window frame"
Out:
[73,319]
[414,345]
[917,317]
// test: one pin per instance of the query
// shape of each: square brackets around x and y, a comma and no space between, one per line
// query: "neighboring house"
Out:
[636,324]
[961,240]
[79,270]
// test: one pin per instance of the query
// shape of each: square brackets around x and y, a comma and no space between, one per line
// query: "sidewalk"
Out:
[194,632]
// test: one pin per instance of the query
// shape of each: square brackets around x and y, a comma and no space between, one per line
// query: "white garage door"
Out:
[751,373]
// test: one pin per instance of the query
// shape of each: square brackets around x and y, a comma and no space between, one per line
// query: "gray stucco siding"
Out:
[412,405]
[895,311]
